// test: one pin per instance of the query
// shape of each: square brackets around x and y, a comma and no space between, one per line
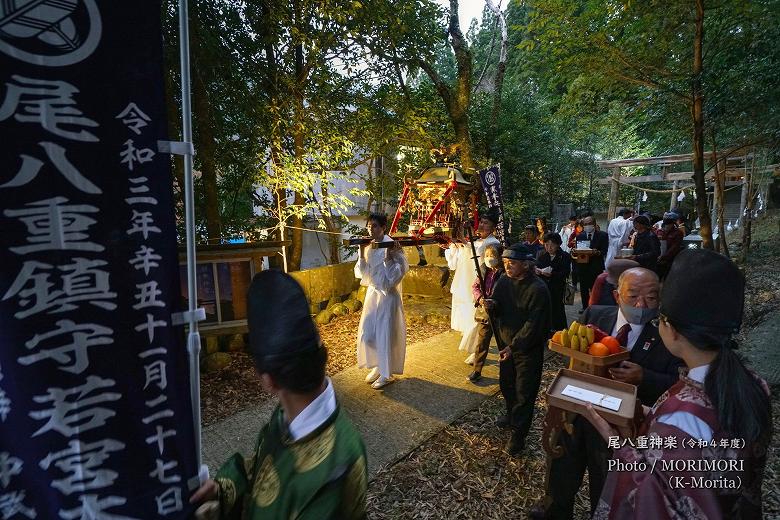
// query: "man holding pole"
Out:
[521,306]
[381,337]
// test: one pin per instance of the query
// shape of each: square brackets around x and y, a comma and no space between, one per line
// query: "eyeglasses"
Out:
[657,321]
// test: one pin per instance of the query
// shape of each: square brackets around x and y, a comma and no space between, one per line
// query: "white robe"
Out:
[618,231]
[459,258]
[381,337]
[565,233]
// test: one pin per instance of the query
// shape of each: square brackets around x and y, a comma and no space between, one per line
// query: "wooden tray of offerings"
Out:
[625,417]
[590,359]
[582,256]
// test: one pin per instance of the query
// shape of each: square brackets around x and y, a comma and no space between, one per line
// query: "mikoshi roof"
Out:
[440,174]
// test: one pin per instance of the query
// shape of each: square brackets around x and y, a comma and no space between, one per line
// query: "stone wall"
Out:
[323,284]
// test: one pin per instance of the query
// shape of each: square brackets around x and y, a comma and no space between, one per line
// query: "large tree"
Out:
[661,60]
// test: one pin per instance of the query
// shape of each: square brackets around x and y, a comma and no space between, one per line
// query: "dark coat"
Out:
[660,369]
[647,249]
[522,313]
[561,267]
[599,240]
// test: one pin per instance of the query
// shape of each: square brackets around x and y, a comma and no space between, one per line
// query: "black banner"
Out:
[95,414]
[491,184]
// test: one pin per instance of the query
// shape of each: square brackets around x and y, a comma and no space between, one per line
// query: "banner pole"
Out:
[193,337]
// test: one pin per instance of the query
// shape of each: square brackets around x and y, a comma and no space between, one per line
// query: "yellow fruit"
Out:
[565,339]
[575,342]
[591,334]
[574,327]
[557,338]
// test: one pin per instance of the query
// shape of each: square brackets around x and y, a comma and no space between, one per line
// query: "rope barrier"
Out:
[677,190]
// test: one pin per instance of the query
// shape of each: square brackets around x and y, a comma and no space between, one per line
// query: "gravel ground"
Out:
[227,391]
[463,472]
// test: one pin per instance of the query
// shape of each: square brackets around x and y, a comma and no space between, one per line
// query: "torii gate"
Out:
[734,171]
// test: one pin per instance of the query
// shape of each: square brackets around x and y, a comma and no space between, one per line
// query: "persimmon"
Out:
[612,344]
[598,349]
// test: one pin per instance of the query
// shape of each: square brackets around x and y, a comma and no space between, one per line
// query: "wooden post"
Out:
[743,197]
[673,200]
[613,194]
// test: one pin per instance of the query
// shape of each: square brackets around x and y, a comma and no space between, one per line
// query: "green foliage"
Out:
[316,87]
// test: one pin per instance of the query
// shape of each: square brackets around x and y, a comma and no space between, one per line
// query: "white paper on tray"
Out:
[603,400]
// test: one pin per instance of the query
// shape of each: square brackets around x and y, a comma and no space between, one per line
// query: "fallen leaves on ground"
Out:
[463,471]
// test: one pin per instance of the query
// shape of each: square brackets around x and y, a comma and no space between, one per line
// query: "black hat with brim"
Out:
[280,326]
[704,289]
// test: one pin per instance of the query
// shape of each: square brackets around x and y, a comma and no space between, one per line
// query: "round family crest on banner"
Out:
[50,33]
[490,178]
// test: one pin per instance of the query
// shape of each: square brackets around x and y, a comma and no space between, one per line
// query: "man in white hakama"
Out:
[618,230]
[381,339]
[460,259]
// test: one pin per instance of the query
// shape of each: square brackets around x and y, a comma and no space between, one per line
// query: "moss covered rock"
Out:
[236,343]
[353,305]
[323,317]
[216,361]
[339,310]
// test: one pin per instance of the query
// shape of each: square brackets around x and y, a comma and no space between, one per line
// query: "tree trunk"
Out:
[705,227]
[747,226]
[174,128]
[459,103]
[296,235]
[205,143]
[498,84]
[456,100]
[720,185]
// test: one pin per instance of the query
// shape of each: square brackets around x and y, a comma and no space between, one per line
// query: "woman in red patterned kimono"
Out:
[701,450]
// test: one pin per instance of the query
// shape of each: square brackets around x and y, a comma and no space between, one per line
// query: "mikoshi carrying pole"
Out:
[193,338]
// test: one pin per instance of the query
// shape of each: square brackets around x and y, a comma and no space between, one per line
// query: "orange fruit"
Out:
[598,349]
[558,338]
[612,344]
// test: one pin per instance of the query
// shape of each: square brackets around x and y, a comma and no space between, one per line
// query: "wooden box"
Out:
[588,363]
[582,256]
[625,418]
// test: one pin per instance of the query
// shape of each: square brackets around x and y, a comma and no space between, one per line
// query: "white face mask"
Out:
[492,262]
[589,229]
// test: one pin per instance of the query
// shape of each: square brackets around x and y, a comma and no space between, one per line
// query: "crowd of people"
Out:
[699,401]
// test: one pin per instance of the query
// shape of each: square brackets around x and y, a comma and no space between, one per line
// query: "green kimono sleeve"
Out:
[344,497]
[233,481]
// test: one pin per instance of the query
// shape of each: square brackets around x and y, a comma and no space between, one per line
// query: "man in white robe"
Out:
[619,230]
[381,338]
[460,259]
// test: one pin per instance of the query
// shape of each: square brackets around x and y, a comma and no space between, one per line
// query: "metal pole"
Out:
[193,338]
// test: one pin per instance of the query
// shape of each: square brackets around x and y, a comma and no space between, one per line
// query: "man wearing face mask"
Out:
[651,368]
[599,243]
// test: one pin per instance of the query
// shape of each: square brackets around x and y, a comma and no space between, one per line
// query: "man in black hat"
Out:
[521,307]
[309,460]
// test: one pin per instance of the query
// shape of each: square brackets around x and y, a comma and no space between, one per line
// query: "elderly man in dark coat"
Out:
[521,306]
